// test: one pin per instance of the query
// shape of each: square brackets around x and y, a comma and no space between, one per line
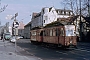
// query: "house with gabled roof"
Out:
[49,15]
[27,29]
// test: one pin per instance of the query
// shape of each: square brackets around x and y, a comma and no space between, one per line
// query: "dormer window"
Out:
[60,12]
[67,13]
[71,13]
[63,12]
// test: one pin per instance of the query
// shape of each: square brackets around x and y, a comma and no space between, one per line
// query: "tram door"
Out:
[58,34]
[41,36]
[61,35]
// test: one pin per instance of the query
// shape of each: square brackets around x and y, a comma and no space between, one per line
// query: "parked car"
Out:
[7,36]
[12,39]
[19,37]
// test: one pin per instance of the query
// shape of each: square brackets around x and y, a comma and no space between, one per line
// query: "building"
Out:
[27,29]
[48,15]
[21,29]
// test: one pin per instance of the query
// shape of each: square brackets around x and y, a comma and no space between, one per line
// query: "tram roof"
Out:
[53,24]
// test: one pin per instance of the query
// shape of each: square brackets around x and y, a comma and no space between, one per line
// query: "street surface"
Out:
[48,53]
[9,52]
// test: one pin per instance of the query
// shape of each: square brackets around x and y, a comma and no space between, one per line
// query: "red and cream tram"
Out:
[63,35]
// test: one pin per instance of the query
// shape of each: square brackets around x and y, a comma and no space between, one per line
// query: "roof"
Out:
[68,20]
[50,9]
[34,14]
[64,10]
[56,23]
[27,24]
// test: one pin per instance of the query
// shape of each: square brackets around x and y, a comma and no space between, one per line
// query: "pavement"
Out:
[8,52]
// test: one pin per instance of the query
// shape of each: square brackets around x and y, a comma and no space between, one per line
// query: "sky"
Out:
[25,8]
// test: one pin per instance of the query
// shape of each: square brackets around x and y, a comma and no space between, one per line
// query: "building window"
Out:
[71,13]
[46,17]
[67,13]
[44,21]
[64,12]
[62,32]
[60,12]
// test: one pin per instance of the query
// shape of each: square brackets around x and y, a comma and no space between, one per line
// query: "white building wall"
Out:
[49,17]
[46,17]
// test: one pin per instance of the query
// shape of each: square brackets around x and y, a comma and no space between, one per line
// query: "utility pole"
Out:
[80,32]
[15,27]
[89,7]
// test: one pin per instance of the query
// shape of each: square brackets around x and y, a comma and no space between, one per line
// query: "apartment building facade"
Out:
[48,15]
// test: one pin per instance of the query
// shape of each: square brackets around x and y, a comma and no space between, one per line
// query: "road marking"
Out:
[61,52]
[40,59]
[45,48]
[82,49]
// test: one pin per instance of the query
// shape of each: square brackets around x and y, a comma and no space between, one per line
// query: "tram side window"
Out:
[41,34]
[38,33]
[48,33]
[57,32]
[44,33]
[33,33]
[51,32]
[62,32]
[54,32]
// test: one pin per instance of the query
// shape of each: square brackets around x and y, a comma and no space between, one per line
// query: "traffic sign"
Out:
[16,14]
[15,24]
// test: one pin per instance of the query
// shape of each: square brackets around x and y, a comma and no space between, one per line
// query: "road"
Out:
[45,53]
[9,52]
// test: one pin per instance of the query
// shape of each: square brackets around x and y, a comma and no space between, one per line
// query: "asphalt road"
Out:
[47,53]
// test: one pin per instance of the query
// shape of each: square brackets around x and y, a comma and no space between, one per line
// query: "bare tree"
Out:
[2,8]
[87,7]
[75,6]
[71,5]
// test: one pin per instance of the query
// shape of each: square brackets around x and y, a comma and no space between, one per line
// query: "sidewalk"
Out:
[7,52]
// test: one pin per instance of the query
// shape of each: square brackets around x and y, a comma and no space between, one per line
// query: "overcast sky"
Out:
[25,8]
